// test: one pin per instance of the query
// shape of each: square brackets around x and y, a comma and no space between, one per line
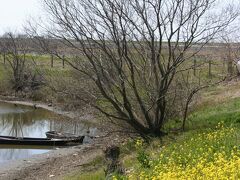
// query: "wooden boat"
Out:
[7,140]
[60,135]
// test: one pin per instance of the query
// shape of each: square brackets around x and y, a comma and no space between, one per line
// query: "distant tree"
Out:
[131,50]
[231,51]
[16,49]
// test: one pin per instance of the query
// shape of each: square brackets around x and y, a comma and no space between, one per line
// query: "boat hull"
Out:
[59,135]
[9,140]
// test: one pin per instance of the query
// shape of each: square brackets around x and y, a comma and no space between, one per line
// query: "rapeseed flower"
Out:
[212,155]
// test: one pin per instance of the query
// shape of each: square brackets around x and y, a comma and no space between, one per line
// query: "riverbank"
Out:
[89,158]
[57,163]
[56,108]
[50,165]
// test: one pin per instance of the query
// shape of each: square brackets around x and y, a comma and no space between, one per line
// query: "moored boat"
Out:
[10,140]
[60,135]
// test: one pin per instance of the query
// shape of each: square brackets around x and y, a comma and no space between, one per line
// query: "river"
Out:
[26,121]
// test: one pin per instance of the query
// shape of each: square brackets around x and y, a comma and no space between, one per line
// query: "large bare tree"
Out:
[131,50]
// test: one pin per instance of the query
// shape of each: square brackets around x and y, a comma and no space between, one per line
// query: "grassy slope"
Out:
[218,105]
[211,154]
[201,123]
[42,63]
[210,144]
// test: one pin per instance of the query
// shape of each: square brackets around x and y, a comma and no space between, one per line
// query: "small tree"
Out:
[15,49]
[131,50]
[231,50]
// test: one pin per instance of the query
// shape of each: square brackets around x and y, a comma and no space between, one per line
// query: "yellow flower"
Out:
[212,156]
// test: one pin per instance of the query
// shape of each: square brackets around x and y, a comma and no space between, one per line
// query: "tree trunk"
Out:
[185,116]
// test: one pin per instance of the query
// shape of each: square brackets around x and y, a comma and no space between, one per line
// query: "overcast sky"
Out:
[14,13]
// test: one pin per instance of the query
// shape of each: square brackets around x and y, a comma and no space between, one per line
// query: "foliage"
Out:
[209,155]
[209,115]
[142,156]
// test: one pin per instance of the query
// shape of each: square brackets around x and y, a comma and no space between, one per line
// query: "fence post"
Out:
[194,65]
[4,58]
[224,66]
[63,61]
[52,60]
[230,65]
[209,68]
[24,56]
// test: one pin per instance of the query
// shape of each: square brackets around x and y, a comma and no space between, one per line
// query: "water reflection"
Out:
[13,153]
[19,121]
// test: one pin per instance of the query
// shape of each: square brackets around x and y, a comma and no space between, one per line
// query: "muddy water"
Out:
[25,121]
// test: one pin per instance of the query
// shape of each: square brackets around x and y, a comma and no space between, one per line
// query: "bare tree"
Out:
[231,52]
[131,50]
[188,87]
[16,49]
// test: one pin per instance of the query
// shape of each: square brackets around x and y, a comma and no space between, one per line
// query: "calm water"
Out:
[19,121]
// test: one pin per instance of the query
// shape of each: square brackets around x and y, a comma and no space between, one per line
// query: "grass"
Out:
[210,143]
[2,73]
[208,149]
[227,112]
[91,171]
[95,175]
[53,74]
[212,136]
[4,79]
[174,153]
[213,154]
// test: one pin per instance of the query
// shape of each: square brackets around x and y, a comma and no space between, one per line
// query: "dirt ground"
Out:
[55,164]
[58,163]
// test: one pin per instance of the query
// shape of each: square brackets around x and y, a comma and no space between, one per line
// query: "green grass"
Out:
[2,73]
[201,123]
[193,155]
[187,147]
[4,79]
[90,171]
[94,175]
[203,120]
[209,115]
[227,112]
